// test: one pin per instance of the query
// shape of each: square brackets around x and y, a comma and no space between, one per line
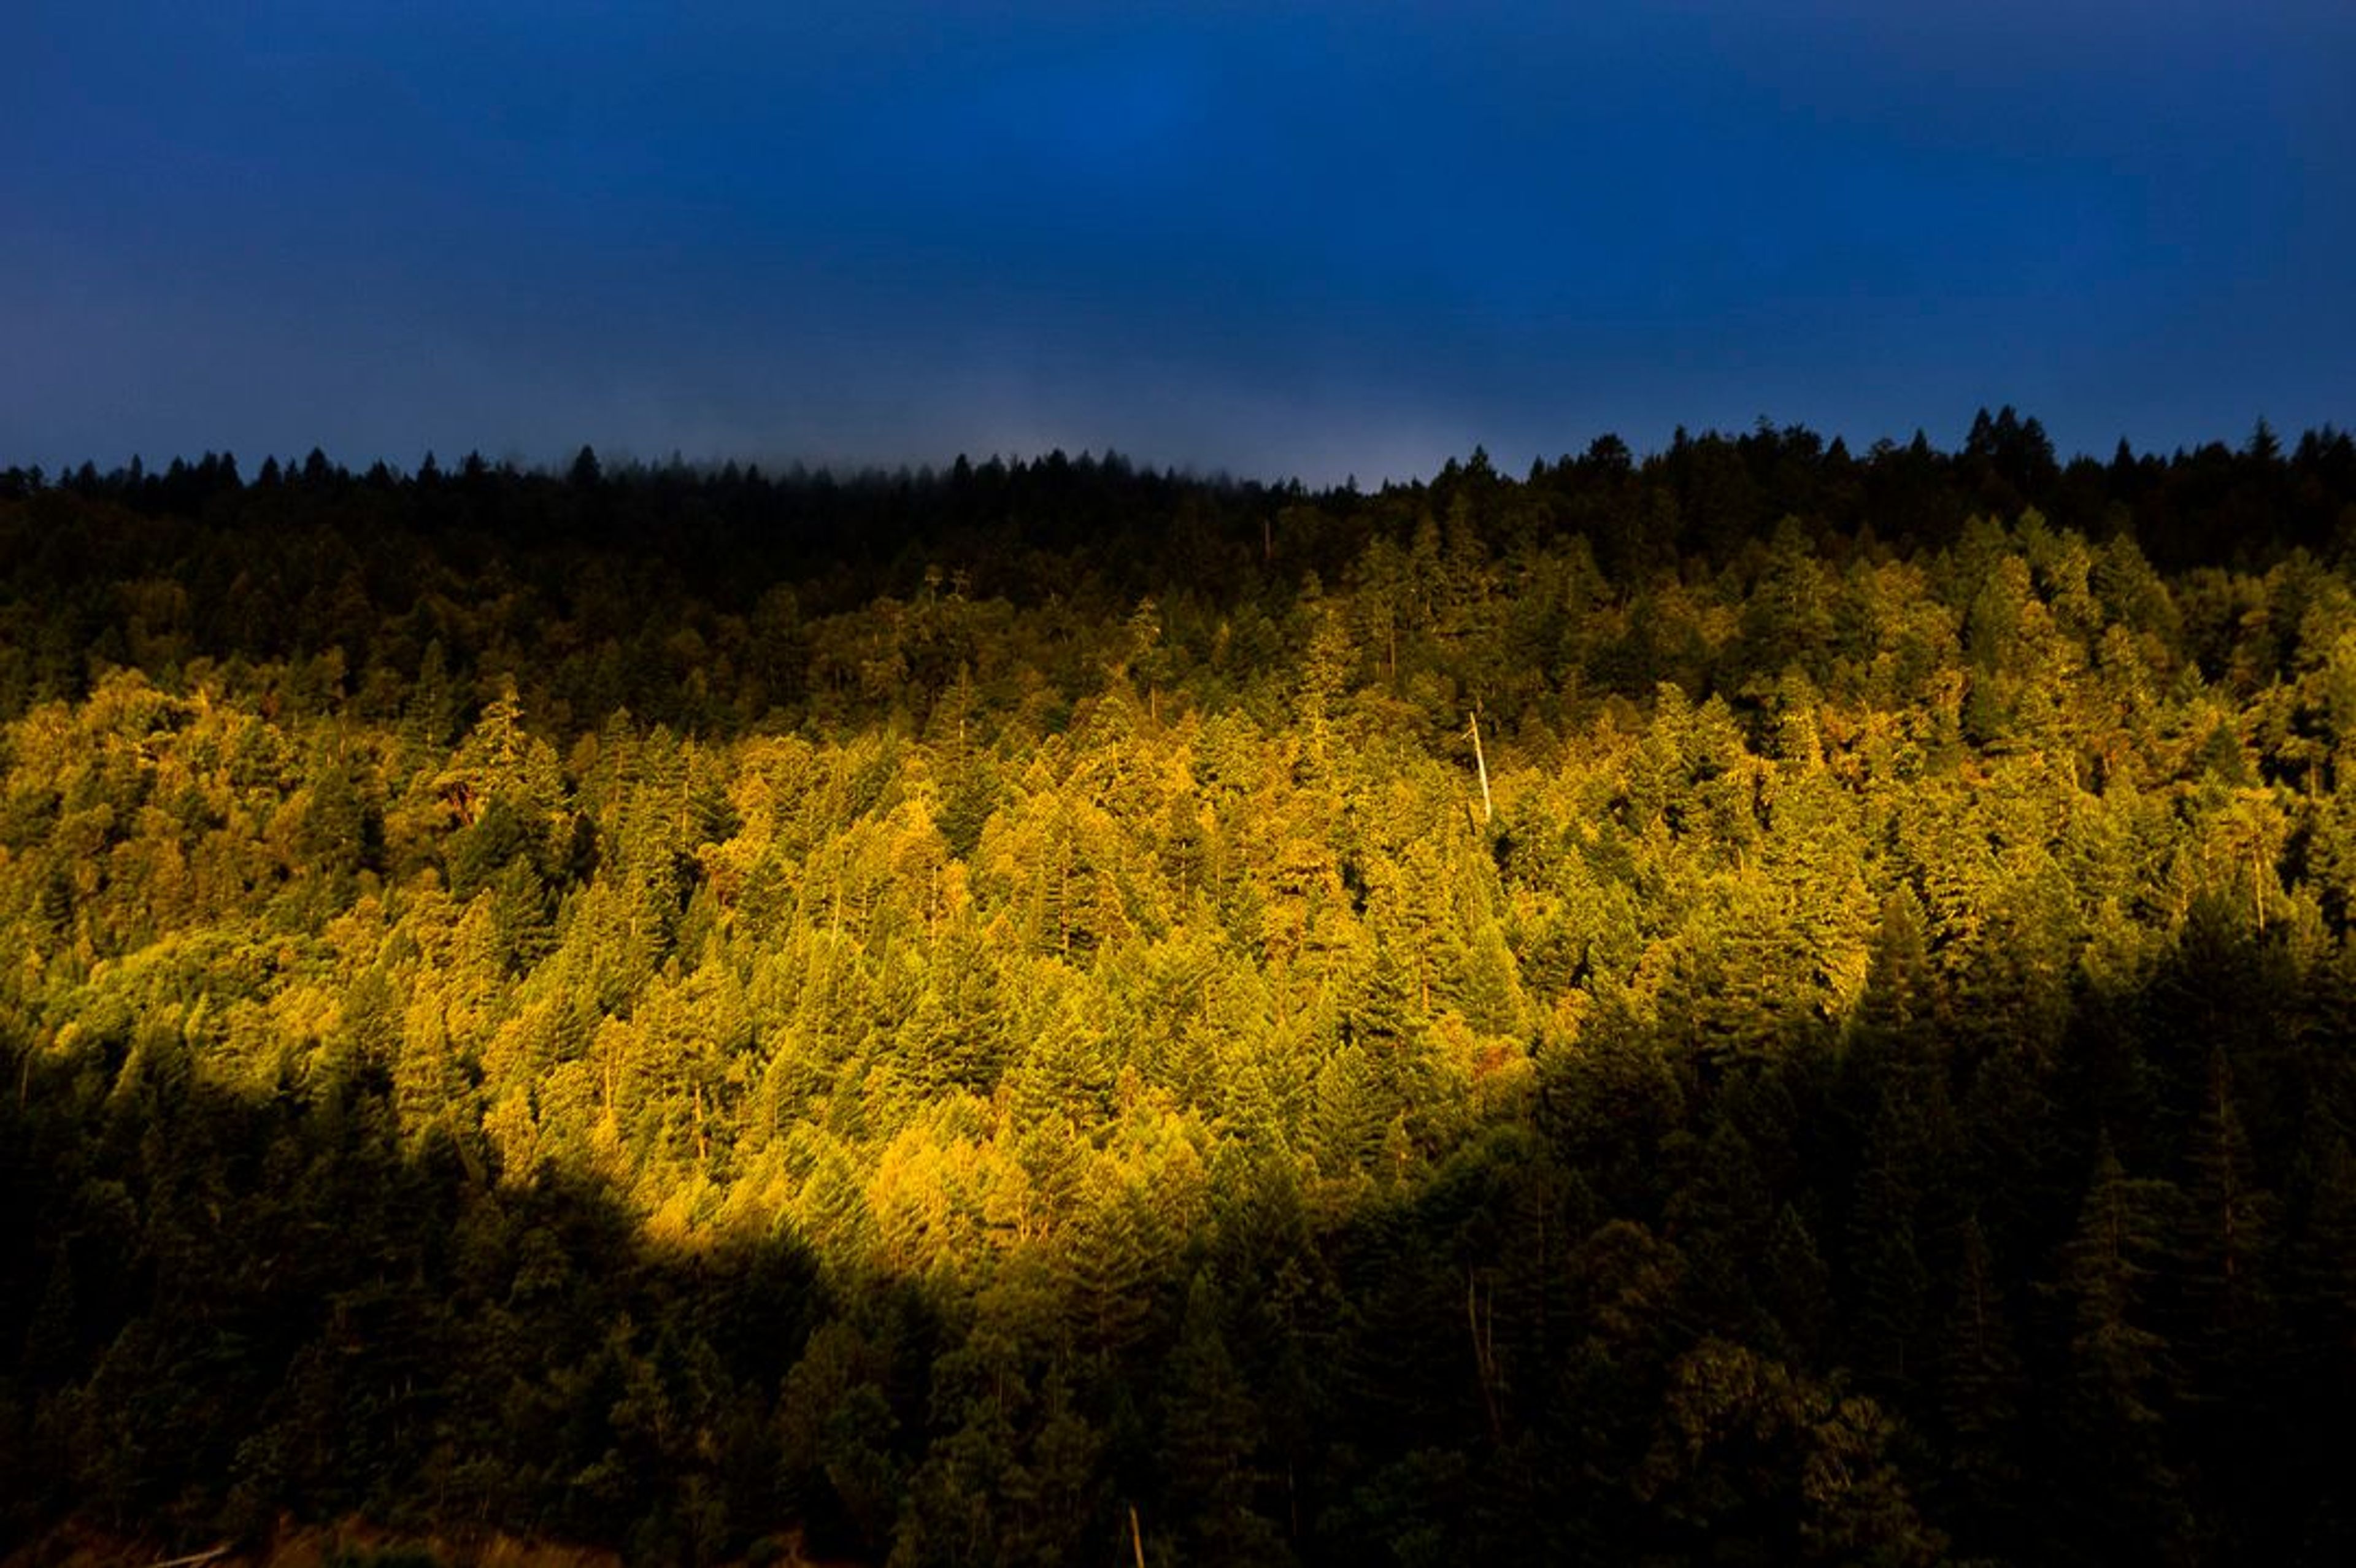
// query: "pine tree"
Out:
[1796,1290]
[1981,1395]
[2121,1489]
[1211,1437]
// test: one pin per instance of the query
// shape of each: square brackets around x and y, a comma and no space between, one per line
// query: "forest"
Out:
[1754,1003]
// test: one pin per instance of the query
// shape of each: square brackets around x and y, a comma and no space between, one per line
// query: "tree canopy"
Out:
[998,1016]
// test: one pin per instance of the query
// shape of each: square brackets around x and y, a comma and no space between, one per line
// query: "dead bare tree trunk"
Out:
[1487,814]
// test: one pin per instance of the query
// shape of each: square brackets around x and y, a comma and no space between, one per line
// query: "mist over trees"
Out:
[995,1015]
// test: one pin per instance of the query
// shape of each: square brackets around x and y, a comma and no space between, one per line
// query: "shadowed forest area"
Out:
[998,1016]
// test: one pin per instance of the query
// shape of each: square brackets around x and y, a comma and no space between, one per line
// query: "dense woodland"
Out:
[993,1016]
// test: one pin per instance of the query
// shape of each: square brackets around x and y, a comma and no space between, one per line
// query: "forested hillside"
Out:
[1002,1016]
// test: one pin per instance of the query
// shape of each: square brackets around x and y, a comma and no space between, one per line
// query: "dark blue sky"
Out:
[1276,239]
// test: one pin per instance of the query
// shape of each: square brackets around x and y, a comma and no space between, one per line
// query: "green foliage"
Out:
[958,1023]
